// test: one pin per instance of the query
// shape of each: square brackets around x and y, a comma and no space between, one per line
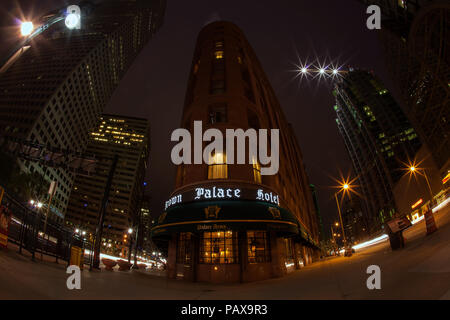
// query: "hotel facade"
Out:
[227,222]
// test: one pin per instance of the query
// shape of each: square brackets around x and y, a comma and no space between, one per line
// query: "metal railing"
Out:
[27,232]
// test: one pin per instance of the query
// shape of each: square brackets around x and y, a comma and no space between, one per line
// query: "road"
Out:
[419,271]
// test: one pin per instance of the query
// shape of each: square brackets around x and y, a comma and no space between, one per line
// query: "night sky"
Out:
[281,33]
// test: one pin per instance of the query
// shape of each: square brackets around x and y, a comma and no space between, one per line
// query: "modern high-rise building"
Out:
[355,225]
[55,91]
[129,139]
[145,225]
[379,139]
[227,222]
[316,206]
[416,37]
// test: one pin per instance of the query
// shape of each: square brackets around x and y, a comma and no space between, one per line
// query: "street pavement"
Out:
[419,271]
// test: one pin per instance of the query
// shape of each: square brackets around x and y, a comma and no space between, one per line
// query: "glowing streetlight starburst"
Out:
[26,28]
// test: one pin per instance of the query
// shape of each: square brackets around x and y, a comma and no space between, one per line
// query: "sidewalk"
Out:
[419,271]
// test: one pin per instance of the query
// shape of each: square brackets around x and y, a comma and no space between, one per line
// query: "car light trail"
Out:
[371,242]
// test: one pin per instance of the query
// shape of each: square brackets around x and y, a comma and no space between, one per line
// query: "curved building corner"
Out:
[227,222]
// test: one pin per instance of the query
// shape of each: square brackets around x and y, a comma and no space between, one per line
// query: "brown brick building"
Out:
[227,222]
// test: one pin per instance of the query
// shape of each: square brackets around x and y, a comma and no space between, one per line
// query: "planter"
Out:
[109,264]
[123,265]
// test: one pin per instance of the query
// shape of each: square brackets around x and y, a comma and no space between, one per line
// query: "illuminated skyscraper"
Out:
[416,38]
[54,93]
[378,138]
[128,138]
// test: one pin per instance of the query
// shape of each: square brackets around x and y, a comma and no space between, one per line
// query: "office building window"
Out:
[219,247]
[217,166]
[258,247]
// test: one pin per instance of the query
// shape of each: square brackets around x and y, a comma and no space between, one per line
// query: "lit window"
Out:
[218,54]
[219,247]
[217,167]
[196,67]
[256,171]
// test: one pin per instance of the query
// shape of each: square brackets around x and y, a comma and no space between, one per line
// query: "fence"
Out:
[27,231]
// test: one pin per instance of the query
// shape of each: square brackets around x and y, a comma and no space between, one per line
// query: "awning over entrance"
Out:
[228,215]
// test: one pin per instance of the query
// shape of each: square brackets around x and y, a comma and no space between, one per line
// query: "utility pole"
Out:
[101,218]
[51,192]
[139,217]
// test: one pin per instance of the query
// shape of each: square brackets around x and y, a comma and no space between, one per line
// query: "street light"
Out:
[344,187]
[413,169]
[26,28]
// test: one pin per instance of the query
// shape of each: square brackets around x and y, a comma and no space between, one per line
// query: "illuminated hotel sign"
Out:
[217,193]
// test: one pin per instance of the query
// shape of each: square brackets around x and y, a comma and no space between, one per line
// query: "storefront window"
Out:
[219,247]
[217,167]
[184,248]
[289,251]
[258,247]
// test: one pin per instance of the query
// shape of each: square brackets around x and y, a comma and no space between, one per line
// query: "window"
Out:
[253,121]
[258,247]
[289,252]
[217,86]
[184,248]
[248,90]
[218,54]
[219,247]
[256,171]
[196,67]
[217,113]
[217,167]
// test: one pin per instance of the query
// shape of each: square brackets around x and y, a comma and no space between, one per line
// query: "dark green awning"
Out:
[227,215]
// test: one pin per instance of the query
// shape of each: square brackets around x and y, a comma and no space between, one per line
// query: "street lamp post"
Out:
[413,169]
[340,216]
[72,17]
[130,231]
[38,205]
